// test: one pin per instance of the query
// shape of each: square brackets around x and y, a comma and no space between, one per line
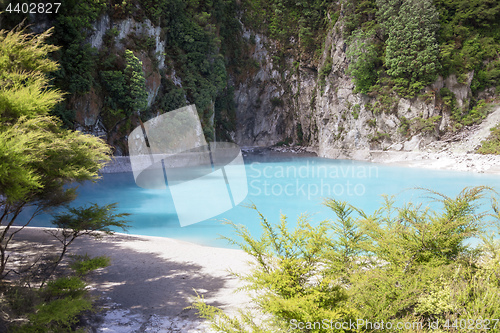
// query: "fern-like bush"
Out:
[400,264]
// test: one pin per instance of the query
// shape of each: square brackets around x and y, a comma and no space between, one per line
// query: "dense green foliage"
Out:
[93,220]
[77,59]
[469,39]
[323,73]
[304,22]
[408,263]
[38,162]
[58,306]
[89,221]
[417,40]
[204,43]
[363,57]
[411,54]
[84,264]
[38,157]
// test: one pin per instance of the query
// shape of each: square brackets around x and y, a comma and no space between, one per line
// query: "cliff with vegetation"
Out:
[343,77]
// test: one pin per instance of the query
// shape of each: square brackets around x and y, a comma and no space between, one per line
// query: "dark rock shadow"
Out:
[141,282]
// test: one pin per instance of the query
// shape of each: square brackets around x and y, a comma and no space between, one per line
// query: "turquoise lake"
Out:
[277,184]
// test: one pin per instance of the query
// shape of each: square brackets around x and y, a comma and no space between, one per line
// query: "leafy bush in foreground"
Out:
[58,306]
[408,264]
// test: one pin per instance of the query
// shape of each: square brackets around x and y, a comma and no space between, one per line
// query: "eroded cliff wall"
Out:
[269,92]
[291,104]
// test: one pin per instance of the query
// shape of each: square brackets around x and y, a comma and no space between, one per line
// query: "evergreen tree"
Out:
[37,157]
[411,49]
[388,12]
[362,56]
[138,97]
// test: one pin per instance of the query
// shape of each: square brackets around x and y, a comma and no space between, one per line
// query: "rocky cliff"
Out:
[285,99]
[292,105]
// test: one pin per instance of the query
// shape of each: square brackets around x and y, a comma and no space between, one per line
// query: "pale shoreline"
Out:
[445,160]
[441,160]
[151,280]
[456,153]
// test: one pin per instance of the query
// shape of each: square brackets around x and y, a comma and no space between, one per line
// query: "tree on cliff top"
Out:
[412,49]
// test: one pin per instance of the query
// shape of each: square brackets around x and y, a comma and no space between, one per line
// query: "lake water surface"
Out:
[277,184]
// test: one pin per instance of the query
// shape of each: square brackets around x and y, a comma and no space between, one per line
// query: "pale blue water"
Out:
[276,184]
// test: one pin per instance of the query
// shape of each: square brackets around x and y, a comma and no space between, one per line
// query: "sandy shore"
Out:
[151,280]
[444,160]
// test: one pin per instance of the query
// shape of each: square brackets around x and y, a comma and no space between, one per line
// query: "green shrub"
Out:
[363,57]
[450,103]
[65,286]
[173,97]
[385,103]
[492,144]
[124,91]
[20,299]
[406,263]
[372,122]
[117,92]
[428,97]
[59,315]
[421,125]
[136,83]
[477,114]
[285,142]
[358,14]
[412,49]
[284,20]
[84,264]
[379,136]
[109,36]
[55,308]
[58,306]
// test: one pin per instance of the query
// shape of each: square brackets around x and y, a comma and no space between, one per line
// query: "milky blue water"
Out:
[277,185]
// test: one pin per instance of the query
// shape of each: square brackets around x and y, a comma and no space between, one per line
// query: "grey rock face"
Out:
[146,28]
[102,25]
[262,111]
[332,119]
[88,106]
